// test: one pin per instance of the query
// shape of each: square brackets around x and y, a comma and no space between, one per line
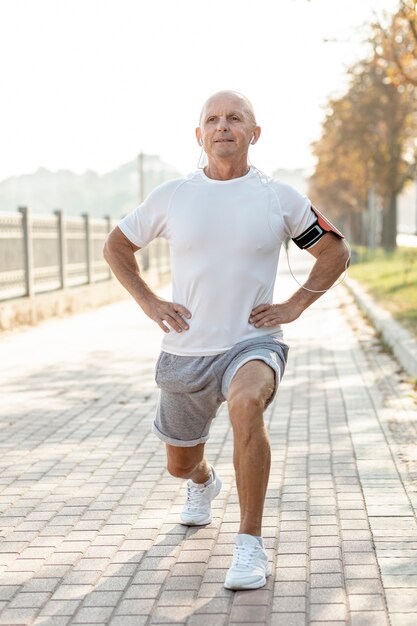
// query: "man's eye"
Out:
[211,119]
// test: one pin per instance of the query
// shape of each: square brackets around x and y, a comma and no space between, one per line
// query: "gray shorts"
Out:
[193,388]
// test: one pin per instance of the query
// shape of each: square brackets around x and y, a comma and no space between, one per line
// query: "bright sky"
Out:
[87,84]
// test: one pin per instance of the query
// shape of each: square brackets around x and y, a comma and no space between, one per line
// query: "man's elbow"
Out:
[344,258]
[109,245]
[106,249]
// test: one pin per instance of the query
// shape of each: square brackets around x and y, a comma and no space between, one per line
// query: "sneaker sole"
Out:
[208,519]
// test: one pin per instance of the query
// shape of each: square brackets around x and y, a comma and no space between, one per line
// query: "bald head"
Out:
[232,95]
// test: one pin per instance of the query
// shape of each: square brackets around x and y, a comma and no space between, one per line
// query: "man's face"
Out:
[227,127]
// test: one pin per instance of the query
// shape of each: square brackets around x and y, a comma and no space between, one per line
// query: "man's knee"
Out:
[245,405]
[250,391]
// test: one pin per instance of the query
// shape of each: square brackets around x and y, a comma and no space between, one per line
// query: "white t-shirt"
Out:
[224,238]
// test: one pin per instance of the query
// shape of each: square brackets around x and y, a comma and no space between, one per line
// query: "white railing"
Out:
[41,253]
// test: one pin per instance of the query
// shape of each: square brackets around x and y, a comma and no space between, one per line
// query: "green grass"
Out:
[391,278]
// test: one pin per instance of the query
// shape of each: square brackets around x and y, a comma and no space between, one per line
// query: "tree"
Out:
[369,136]
[395,45]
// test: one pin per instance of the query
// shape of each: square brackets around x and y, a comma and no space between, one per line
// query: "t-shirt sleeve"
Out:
[149,220]
[295,209]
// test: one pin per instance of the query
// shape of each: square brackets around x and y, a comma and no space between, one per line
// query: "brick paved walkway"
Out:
[89,529]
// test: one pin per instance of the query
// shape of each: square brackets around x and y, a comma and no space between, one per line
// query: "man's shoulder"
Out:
[164,191]
[285,192]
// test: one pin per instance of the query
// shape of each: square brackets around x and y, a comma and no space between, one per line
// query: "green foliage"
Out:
[391,278]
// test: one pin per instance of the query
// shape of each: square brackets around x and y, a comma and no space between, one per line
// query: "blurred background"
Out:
[101,99]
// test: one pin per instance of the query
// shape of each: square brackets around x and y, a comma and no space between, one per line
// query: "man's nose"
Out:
[222,123]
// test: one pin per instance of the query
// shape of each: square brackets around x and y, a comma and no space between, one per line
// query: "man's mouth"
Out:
[223,140]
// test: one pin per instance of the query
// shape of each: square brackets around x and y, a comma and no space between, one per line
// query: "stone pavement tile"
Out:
[355,535]
[196,569]
[326,530]
[289,604]
[399,580]
[183,582]
[102,598]
[289,619]
[327,595]
[138,606]
[209,606]
[35,599]
[357,546]
[325,541]
[369,618]
[291,573]
[93,615]
[53,571]
[292,547]
[354,524]
[81,577]
[328,611]
[290,588]
[405,566]
[366,602]
[179,597]
[213,590]
[327,623]
[403,619]
[326,580]
[291,560]
[8,591]
[68,592]
[325,553]
[60,607]
[402,600]
[359,558]
[125,620]
[46,620]
[254,597]
[368,586]
[18,617]
[325,566]
[244,613]
[150,577]
[201,619]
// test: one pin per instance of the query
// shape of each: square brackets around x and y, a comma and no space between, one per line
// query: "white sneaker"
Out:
[250,566]
[197,508]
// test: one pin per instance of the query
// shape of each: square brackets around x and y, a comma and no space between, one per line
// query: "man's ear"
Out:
[256,134]
[198,136]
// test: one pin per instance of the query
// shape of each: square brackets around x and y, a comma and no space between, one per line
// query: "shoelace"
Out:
[244,555]
[194,497]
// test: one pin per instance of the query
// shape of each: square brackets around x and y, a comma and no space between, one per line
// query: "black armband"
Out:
[313,233]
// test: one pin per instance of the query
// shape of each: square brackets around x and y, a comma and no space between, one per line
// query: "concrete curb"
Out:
[400,340]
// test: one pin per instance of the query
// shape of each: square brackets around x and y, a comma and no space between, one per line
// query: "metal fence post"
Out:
[27,249]
[109,228]
[62,243]
[145,255]
[88,248]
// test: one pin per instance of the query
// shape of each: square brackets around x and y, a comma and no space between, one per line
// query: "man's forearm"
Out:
[331,259]
[123,264]
[326,270]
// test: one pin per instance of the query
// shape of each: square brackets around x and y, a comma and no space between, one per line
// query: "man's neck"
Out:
[226,170]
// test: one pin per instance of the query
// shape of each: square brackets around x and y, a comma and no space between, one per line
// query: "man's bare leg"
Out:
[203,487]
[188,463]
[249,392]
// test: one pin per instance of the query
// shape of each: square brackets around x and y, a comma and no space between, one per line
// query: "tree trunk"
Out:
[389,224]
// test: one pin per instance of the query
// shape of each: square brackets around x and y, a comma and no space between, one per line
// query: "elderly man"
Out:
[223,339]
